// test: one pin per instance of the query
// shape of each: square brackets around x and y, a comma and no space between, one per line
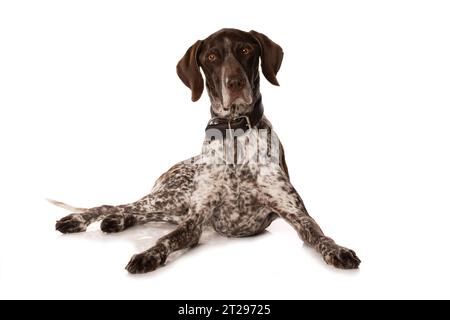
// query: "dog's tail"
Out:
[66,206]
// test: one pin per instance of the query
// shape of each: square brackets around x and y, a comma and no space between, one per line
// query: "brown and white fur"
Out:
[237,186]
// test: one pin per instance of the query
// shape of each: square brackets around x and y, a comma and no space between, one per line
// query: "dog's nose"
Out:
[235,83]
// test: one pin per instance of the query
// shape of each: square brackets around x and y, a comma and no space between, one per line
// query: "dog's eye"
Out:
[212,57]
[245,51]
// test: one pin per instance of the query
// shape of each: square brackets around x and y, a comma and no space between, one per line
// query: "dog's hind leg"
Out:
[168,202]
[159,206]
[81,218]
[118,218]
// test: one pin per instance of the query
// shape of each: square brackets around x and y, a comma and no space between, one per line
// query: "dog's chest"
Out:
[234,188]
[239,211]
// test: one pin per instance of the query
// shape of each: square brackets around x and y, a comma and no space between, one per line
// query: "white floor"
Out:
[40,263]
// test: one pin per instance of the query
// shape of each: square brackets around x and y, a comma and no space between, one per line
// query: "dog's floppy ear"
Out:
[189,71]
[271,56]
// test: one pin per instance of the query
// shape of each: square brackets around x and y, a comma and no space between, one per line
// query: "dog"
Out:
[240,182]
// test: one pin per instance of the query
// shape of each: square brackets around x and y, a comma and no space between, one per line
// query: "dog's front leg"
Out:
[187,234]
[284,199]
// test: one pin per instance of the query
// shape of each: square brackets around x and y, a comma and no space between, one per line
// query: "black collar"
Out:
[244,122]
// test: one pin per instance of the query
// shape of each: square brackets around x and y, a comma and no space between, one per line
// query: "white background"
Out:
[88,89]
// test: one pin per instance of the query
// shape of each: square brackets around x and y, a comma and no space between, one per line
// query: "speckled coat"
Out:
[237,186]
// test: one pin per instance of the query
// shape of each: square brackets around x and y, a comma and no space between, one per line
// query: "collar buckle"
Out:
[247,119]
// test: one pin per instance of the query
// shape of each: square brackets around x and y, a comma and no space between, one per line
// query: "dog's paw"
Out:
[342,258]
[117,222]
[71,224]
[147,261]
[113,223]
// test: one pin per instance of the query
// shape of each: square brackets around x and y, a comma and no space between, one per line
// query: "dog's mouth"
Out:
[233,100]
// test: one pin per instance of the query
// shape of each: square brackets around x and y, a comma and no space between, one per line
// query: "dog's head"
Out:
[229,59]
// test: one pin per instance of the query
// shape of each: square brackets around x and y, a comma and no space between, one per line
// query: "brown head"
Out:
[230,59]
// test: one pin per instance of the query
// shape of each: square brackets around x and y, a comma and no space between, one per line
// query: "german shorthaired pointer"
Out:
[239,183]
